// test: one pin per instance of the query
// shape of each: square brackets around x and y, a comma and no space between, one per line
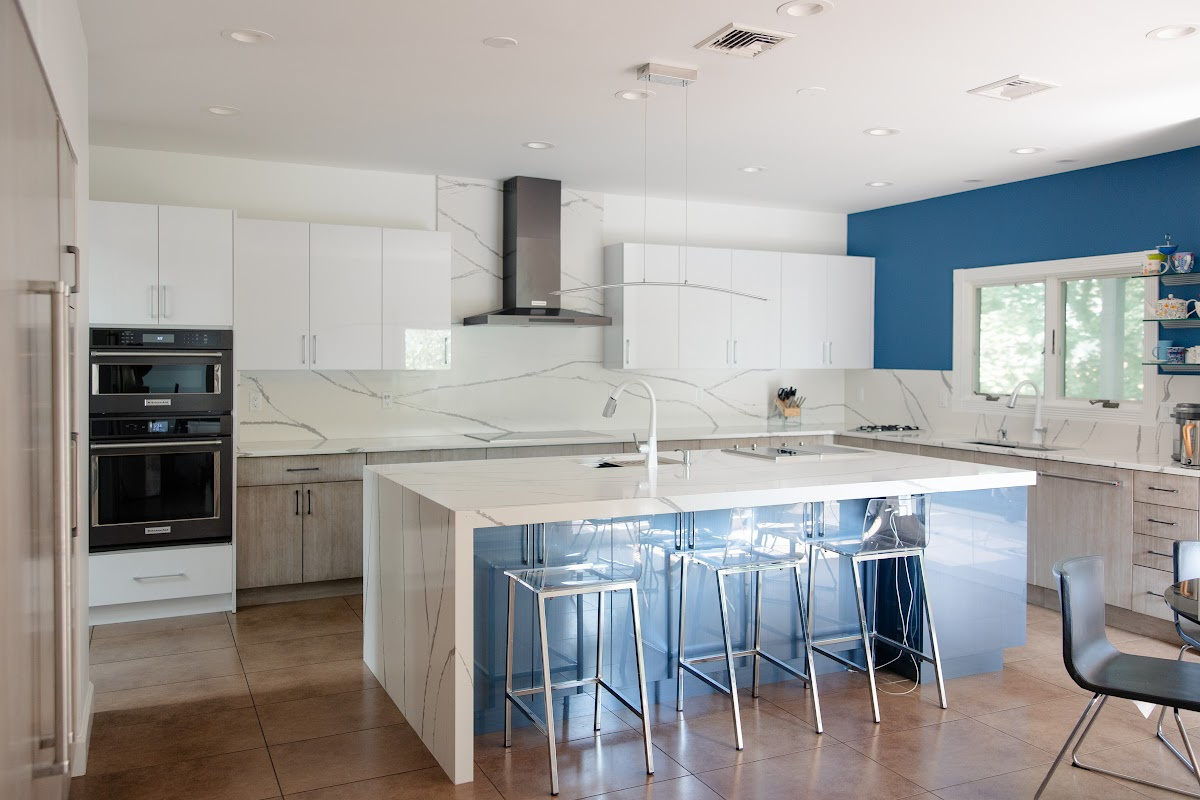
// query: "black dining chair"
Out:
[1097,666]
[1186,561]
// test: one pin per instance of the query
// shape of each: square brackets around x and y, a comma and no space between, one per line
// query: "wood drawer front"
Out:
[545,450]
[1164,521]
[161,573]
[1153,552]
[1148,586]
[934,451]
[427,456]
[278,470]
[1166,490]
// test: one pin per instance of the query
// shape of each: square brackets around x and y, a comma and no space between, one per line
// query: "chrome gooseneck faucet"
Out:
[650,446]
[1039,428]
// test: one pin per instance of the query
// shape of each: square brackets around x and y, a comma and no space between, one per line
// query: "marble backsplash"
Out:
[926,398]
[516,378]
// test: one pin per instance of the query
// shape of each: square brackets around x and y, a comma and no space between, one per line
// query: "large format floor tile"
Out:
[244,775]
[994,691]
[161,643]
[299,652]
[141,672]
[847,715]
[1067,784]
[122,747]
[313,680]
[298,620]
[688,787]
[1047,725]
[153,625]
[327,715]
[707,742]
[421,784]
[348,757]
[171,701]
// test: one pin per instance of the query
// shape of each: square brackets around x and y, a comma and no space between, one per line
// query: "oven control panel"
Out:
[177,339]
[148,428]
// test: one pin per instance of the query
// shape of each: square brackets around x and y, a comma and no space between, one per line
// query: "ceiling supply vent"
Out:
[1014,88]
[744,41]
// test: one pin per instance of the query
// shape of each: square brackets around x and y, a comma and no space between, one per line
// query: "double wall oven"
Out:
[161,460]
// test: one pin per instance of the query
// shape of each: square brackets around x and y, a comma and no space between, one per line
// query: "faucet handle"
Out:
[642,447]
[687,456]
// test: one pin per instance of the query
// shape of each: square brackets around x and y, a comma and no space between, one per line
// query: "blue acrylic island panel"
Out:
[975,563]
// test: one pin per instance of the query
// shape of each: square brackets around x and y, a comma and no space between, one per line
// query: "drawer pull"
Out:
[1156,594]
[1081,480]
[297,503]
[1160,521]
[159,577]
[1161,489]
[1156,553]
[303,469]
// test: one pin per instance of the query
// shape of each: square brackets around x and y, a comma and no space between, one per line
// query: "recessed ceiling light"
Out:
[881,131]
[1066,161]
[1169,33]
[634,95]
[973,180]
[539,145]
[879,184]
[804,8]
[1027,151]
[500,42]
[246,36]
[223,111]
[753,169]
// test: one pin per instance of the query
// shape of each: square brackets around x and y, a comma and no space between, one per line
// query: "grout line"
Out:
[165,655]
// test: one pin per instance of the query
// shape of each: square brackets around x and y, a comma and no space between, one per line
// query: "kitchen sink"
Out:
[629,461]
[1014,445]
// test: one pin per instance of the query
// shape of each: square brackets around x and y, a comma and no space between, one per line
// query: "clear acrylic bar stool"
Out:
[607,563]
[894,529]
[752,547]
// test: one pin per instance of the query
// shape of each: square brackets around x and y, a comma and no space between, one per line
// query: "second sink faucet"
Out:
[1039,429]
[650,446]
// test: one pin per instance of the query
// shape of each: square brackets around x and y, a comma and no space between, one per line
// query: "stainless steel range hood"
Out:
[533,259]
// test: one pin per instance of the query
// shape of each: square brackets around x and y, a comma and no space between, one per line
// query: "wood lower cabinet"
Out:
[333,531]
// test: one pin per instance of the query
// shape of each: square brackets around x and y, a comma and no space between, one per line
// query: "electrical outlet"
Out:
[256,401]
[387,400]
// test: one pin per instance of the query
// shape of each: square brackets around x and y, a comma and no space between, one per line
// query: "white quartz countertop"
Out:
[522,491]
[461,441]
[1095,455]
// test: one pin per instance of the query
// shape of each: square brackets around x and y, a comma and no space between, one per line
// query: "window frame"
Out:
[966,284]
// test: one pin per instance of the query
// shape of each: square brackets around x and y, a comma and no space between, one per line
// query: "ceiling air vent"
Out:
[1013,88]
[744,41]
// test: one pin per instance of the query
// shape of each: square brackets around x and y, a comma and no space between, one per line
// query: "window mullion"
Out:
[1055,326]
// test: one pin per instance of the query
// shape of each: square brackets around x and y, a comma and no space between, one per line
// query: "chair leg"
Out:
[1187,743]
[641,671]
[508,665]
[808,651]
[1162,714]
[733,692]
[548,693]
[1067,744]
[758,591]
[812,575]
[868,647]
[599,653]
[933,642]
[683,570]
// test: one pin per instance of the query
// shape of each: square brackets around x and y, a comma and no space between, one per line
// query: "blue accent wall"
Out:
[1116,208]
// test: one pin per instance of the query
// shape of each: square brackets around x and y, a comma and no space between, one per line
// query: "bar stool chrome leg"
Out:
[548,693]
[868,644]
[683,570]
[758,589]
[933,642]
[733,692]
[808,651]
[508,665]
[599,653]
[641,671]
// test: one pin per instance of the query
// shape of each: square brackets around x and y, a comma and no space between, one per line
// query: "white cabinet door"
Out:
[803,313]
[345,310]
[416,299]
[270,324]
[850,330]
[195,267]
[755,328]
[704,317]
[123,264]
[651,313]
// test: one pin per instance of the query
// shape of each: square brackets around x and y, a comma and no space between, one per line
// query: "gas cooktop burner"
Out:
[886,428]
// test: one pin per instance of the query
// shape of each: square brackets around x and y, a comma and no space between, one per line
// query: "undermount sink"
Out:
[1014,445]
[629,461]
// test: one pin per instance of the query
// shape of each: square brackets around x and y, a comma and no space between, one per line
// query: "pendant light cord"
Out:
[645,173]
[685,183]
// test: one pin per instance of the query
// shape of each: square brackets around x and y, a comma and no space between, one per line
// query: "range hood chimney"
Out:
[533,259]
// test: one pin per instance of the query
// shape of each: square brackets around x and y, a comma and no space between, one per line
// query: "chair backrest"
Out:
[897,522]
[613,545]
[1187,560]
[1081,593]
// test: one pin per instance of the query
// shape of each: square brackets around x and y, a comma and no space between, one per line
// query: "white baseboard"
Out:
[178,607]
[84,735]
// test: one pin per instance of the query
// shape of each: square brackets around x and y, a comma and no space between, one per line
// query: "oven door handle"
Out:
[126,445]
[141,353]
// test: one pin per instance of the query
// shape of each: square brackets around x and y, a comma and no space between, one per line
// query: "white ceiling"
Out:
[406,85]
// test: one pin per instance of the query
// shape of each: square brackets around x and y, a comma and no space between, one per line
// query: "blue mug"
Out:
[1159,353]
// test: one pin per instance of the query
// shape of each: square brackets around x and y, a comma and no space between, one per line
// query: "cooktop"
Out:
[886,428]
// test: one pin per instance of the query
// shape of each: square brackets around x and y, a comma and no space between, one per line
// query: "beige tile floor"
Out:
[276,702]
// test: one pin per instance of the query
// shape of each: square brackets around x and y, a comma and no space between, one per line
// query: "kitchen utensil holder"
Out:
[781,410]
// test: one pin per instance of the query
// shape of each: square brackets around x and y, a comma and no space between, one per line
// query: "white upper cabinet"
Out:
[705,339]
[195,266]
[123,264]
[161,265]
[755,325]
[271,286]
[345,309]
[645,329]
[416,299]
[851,303]
[803,313]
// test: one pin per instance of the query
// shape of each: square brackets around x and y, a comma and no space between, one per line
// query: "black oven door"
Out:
[147,493]
[160,381]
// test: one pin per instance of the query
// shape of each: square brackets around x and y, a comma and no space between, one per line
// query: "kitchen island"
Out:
[437,538]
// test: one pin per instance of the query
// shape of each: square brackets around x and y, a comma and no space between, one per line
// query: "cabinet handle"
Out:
[735,352]
[626,352]
[74,251]
[1156,553]
[831,354]
[1156,594]
[314,350]
[303,349]
[728,360]
[160,577]
[1080,480]
[303,469]
[152,295]
[1160,521]
[309,493]
[162,305]
[524,544]
[446,350]
[297,503]
[1161,489]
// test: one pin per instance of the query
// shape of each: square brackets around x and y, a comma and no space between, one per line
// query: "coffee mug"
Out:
[1175,355]
[1155,264]
[1192,356]
[1183,262]
[1159,353]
